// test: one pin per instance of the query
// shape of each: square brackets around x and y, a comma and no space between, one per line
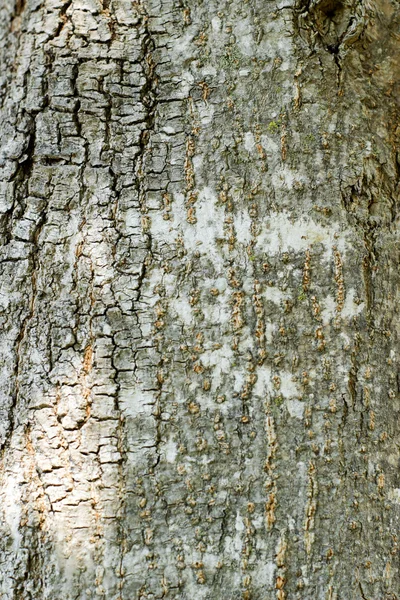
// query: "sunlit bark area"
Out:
[199,303]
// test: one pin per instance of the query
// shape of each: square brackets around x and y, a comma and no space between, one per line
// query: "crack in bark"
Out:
[24,327]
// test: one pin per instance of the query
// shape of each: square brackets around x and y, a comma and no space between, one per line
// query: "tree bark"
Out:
[200,299]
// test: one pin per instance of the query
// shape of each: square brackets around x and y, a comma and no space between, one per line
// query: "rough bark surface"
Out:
[199,299]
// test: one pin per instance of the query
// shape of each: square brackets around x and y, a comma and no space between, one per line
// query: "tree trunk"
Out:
[199,302]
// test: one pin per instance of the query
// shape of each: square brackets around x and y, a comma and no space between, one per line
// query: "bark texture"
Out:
[199,299]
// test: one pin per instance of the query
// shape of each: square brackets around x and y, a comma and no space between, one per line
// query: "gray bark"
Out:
[199,299]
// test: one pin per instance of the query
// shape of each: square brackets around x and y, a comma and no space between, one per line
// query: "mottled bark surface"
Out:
[199,299]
